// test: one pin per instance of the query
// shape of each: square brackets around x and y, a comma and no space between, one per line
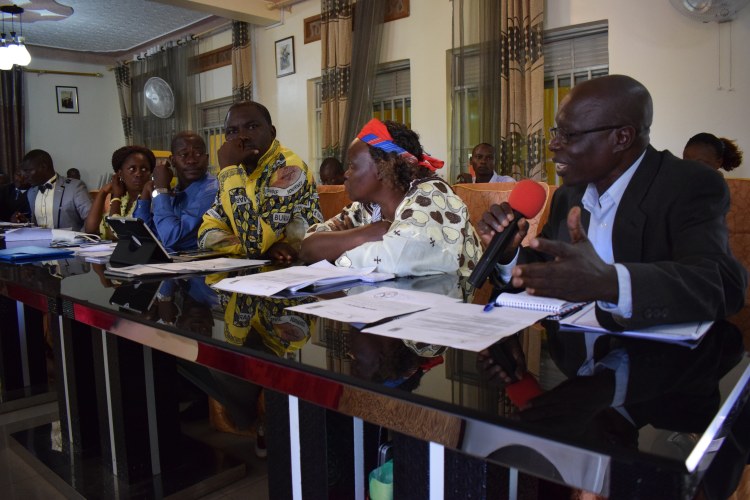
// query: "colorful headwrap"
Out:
[376,134]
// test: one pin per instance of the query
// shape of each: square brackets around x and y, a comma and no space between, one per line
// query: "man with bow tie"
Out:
[55,201]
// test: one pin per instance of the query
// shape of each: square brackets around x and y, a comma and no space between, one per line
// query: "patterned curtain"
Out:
[242,62]
[498,84]
[122,77]
[522,148]
[366,42]
[12,123]
[336,44]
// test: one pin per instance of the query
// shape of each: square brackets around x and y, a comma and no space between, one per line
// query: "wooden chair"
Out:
[479,197]
[332,200]
[738,224]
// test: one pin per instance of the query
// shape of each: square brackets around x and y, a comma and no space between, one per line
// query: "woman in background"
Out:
[404,219]
[133,166]
[713,151]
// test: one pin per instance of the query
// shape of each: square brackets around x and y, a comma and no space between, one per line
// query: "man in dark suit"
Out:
[637,230]
[13,200]
[54,201]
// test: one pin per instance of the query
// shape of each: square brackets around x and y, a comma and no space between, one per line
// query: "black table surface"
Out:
[445,381]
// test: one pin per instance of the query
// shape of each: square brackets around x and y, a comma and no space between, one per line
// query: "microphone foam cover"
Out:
[521,392]
[527,197]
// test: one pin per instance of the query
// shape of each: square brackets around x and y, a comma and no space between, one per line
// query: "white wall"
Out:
[85,140]
[216,83]
[677,59]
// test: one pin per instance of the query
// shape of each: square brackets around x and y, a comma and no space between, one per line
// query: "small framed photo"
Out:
[67,99]
[284,57]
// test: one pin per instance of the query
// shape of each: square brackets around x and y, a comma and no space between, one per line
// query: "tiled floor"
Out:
[19,481]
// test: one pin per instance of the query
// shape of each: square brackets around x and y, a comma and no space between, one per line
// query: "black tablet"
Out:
[136,243]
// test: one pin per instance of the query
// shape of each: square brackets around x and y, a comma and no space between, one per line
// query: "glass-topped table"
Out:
[451,428]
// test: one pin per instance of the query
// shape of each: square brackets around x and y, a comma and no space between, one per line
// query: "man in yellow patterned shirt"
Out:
[266,198]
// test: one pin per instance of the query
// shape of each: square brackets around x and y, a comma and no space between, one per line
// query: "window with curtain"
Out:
[175,63]
[391,101]
[212,114]
[572,54]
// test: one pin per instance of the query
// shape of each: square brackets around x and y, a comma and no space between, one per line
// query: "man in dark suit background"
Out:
[13,199]
[54,201]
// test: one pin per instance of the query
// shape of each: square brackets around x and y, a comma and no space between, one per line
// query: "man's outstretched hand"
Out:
[577,273]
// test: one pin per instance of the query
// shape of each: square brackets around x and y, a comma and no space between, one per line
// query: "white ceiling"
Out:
[100,26]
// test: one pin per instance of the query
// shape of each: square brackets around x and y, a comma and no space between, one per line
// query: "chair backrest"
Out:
[479,197]
[738,222]
[332,200]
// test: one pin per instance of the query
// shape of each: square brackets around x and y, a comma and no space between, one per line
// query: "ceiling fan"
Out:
[710,10]
[159,97]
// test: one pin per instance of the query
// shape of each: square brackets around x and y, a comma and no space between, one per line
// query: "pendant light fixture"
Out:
[12,48]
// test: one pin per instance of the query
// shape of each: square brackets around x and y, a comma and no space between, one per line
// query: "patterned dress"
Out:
[431,233]
[275,202]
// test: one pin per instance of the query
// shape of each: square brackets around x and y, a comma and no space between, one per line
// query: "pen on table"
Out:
[493,297]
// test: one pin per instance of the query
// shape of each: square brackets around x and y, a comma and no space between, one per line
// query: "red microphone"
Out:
[526,200]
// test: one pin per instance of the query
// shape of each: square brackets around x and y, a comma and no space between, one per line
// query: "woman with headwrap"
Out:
[404,219]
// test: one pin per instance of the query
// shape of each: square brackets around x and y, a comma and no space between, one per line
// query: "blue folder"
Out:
[18,255]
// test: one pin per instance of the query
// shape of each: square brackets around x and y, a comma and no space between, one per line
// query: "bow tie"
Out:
[45,187]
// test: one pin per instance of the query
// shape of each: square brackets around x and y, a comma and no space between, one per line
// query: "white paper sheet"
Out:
[374,305]
[680,333]
[463,326]
[294,277]
[197,266]
[28,233]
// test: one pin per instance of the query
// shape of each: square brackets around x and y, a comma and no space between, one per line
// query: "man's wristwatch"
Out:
[156,192]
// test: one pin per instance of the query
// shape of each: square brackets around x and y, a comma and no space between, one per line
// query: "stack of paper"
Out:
[296,278]
[678,333]
[28,233]
[98,254]
[198,266]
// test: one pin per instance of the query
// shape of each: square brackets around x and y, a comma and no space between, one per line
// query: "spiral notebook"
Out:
[522,300]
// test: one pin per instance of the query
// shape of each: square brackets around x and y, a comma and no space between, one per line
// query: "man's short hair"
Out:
[263,110]
[184,135]
[482,144]
[39,157]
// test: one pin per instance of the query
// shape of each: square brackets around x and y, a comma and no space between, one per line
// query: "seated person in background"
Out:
[54,201]
[713,151]
[266,198]
[133,166]
[331,172]
[404,219]
[177,215]
[624,232]
[73,173]
[14,203]
[482,161]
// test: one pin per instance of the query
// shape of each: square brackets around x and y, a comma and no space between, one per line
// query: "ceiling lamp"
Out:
[12,49]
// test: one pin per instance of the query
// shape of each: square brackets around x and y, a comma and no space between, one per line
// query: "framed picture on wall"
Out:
[67,99]
[284,57]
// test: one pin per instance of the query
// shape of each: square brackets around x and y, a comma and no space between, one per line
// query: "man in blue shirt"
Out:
[178,214]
